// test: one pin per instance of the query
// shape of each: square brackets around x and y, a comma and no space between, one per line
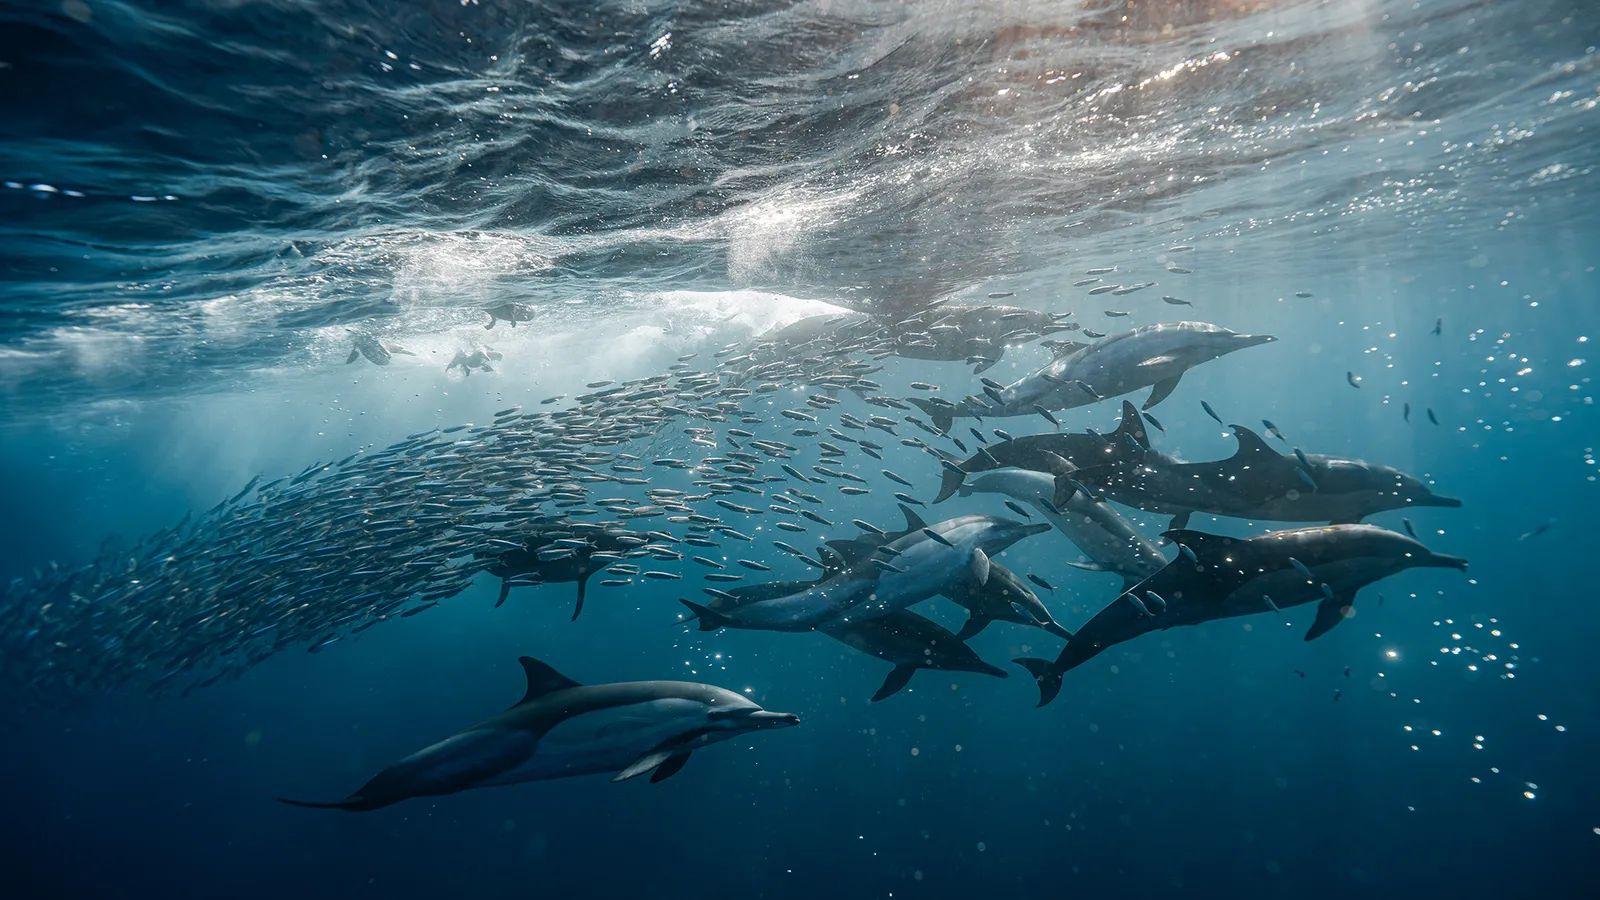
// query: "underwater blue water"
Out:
[204,200]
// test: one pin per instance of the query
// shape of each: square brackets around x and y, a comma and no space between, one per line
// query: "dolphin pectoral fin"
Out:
[1180,521]
[979,567]
[644,764]
[505,591]
[671,767]
[984,366]
[896,680]
[1161,391]
[1331,612]
[583,587]
[354,355]
[974,625]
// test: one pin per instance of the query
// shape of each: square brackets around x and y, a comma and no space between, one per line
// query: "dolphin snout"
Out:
[1253,340]
[768,719]
[1445,561]
[1438,500]
[1034,528]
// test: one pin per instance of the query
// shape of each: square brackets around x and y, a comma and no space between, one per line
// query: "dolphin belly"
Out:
[606,740]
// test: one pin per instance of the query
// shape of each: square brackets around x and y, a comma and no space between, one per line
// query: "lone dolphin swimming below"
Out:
[1219,577]
[561,728]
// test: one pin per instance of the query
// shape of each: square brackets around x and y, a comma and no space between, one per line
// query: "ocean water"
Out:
[206,203]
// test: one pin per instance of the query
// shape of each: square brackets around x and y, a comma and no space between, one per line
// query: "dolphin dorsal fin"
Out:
[1131,426]
[542,679]
[913,521]
[853,550]
[1251,446]
[1063,348]
[1205,546]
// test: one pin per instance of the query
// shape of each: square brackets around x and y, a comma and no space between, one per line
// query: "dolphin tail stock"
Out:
[941,413]
[1045,674]
[894,682]
[352,803]
[708,618]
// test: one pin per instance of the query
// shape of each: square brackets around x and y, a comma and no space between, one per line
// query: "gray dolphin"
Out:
[1258,482]
[1100,532]
[909,569]
[907,640]
[1219,577]
[976,334]
[510,313]
[1053,452]
[1154,356]
[377,352]
[561,728]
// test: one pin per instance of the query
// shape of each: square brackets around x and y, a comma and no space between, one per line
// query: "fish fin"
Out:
[974,626]
[1044,674]
[1131,427]
[643,764]
[354,355]
[894,682]
[1331,612]
[671,767]
[979,567]
[1161,390]
[505,591]
[709,619]
[542,679]
[913,521]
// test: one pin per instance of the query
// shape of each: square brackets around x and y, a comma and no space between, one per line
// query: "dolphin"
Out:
[920,563]
[1100,532]
[1053,452]
[1219,577]
[377,352]
[1154,356]
[561,728]
[910,642]
[479,358]
[907,640]
[540,560]
[510,313]
[977,334]
[1258,482]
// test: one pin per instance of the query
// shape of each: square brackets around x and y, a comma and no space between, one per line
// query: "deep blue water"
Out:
[203,200]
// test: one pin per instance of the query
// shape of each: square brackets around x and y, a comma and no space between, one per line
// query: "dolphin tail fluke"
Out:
[942,414]
[896,680]
[1045,674]
[490,326]
[709,619]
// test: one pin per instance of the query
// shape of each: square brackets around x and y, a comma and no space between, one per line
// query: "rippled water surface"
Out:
[210,208]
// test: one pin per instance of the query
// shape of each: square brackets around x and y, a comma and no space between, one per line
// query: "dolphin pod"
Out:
[561,728]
